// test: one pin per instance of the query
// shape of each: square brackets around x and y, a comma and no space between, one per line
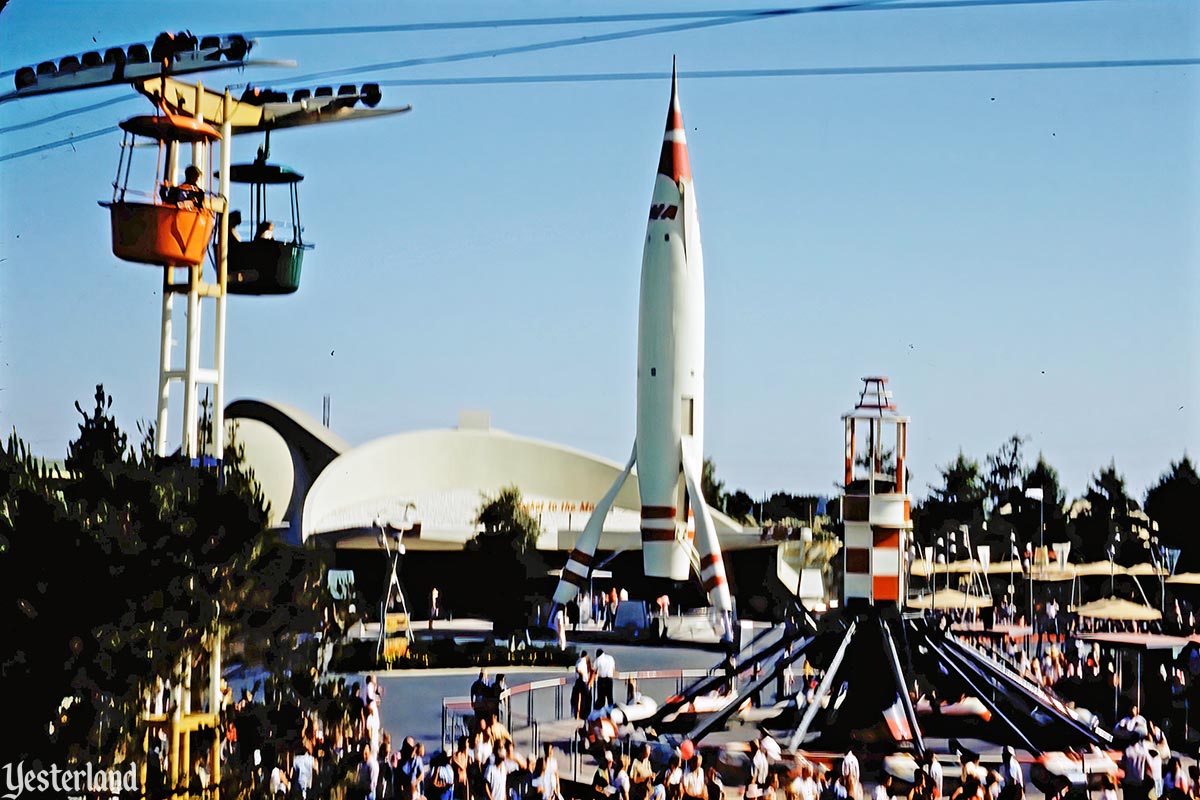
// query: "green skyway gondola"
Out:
[267,263]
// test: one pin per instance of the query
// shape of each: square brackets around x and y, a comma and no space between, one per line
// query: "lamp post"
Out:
[938,559]
[1014,557]
[1029,566]
[1039,494]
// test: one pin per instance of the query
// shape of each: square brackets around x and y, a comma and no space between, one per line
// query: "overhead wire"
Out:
[20,126]
[720,74]
[798,72]
[729,16]
[589,19]
[575,41]
[633,33]
[520,22]
[70,140]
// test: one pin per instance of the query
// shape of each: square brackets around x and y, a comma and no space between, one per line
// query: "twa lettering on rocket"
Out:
[669,446]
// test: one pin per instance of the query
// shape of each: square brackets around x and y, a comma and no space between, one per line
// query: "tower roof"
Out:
[875,402]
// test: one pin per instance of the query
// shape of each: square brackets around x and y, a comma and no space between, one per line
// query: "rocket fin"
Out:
[712,566]
[579,564]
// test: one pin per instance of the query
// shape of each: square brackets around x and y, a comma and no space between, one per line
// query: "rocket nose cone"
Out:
[674,161]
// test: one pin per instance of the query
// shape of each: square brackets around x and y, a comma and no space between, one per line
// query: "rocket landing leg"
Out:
[579,565]
[712,567]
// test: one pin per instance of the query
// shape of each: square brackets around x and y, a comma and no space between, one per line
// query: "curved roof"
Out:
[446,474]
[286,449]
[170,127]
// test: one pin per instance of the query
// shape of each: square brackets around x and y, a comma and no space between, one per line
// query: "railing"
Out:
[544,695]
[525,705]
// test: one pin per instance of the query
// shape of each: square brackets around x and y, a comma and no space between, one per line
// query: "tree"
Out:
[712,489]
[958,501]
[1172,503]
[1031,514]
[1005,472]
[1106,522]
[117,572]
[739,505]
[789,509]
[504,517]
[506,555]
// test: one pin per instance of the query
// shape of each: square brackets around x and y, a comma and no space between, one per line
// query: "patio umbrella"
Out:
[1114,608]
[1104,568]
[1005,567]
[950,598]
[1064,573]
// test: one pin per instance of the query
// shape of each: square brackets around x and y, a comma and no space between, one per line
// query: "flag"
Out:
[1035,493]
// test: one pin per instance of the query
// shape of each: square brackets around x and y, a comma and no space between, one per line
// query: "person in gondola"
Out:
[187,192]
[235,219]
[265,232]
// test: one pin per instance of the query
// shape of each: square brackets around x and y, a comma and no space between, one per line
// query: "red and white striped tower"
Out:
[876,508]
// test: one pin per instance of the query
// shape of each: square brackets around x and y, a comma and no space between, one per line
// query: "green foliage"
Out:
[1107,522]
[787,509]
[1172,502]
[504,516]
[505,558]
[739,506]
[120,569]
[1005,472]
[958,501]
[712,489]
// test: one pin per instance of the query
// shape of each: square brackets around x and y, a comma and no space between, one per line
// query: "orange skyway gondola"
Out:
[170,228]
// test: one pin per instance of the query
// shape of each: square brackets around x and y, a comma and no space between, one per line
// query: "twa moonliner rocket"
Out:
[668,450]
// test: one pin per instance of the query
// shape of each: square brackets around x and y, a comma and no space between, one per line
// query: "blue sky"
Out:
[1016,250]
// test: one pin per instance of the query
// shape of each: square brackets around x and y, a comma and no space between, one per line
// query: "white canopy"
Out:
[950,598]
[1115,608]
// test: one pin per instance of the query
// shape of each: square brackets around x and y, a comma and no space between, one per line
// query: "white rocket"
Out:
[668,451]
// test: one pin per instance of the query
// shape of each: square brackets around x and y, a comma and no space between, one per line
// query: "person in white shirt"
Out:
[693,780]
[279,781]
[550,777]
[621,784]
[883,791]
[850,775]
[1010,768]
[805,786]
[934,768]
[581,692]
[483,747]
[850,766]
[1154,770]
[496,778]
[759,766]
[560,627]
[303,769]
[770,747]
[606,669]
[1134,724]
